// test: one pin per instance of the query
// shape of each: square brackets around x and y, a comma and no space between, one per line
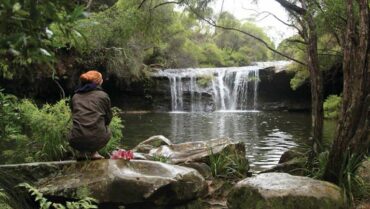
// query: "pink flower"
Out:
[122,154]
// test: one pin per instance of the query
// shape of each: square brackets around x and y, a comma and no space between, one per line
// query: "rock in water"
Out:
[151,143]
[284,191]
[125,182]
[199,151]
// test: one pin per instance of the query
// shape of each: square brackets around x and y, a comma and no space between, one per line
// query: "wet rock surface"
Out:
[151,143]
[34,171]
[121,182]
[284,191]
[199,151]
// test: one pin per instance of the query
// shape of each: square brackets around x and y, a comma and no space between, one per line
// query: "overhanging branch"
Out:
[292,7]
[256,38]
[212,22]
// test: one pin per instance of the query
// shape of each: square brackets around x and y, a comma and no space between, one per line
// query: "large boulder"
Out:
[32,172]
[151,143]
[121,182]
[284,191]
[199,151]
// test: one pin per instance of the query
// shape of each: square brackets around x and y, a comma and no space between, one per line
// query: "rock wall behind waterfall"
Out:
[274,93]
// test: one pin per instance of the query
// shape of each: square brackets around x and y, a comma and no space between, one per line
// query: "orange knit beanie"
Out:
[91,76]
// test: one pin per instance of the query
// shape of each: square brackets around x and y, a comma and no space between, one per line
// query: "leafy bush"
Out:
[116,128]
[29,133]
[26,38]
[332,107]
[10,129]
[47,128]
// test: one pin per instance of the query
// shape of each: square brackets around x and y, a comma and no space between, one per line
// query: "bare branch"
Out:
[167,2]
[296,41]
[141,4]
[270,14]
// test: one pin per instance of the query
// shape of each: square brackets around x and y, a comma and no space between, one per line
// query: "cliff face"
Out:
[274,93]
[154,94]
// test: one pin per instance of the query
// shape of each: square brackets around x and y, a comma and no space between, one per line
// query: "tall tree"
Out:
[352,137]
[304,16]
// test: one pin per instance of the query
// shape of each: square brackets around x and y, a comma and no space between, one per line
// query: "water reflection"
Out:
[266,134]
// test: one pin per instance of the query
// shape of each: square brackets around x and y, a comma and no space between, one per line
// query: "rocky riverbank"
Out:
[204,174]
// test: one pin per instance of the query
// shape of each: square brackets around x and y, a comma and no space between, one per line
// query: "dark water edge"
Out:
[267,135]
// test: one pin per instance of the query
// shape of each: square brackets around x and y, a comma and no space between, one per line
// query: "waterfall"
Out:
[215,89]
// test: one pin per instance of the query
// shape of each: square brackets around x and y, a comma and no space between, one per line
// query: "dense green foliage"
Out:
[330,23]
[332,106]
[330,54]
[28,29]
[42,130]
[123,38]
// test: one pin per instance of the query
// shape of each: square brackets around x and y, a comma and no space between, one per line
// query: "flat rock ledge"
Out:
[121,182]
[199,151]
[284,191]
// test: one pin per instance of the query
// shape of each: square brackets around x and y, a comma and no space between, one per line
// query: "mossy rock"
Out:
[284,191]
[295,166]
[290,155]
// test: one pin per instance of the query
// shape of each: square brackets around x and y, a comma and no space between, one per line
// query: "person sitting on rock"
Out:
[91,115]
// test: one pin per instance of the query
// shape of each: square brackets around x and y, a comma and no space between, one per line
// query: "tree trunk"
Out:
[352,133]
[305,17]
[316,88]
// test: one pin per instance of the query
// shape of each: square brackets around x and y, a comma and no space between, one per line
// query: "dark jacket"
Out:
[91,116]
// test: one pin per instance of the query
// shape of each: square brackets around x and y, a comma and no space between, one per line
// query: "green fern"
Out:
[29,133]
[116,129]
[228,165]
[44,203]
[47,128]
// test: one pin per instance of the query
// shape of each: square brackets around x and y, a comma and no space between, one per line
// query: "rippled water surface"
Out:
[266,134]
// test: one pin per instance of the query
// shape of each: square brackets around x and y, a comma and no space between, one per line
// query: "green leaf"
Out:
[16,7]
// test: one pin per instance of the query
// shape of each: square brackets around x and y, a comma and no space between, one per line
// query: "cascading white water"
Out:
[231,88]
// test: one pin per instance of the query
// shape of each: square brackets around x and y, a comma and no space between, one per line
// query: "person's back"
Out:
[91,115]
